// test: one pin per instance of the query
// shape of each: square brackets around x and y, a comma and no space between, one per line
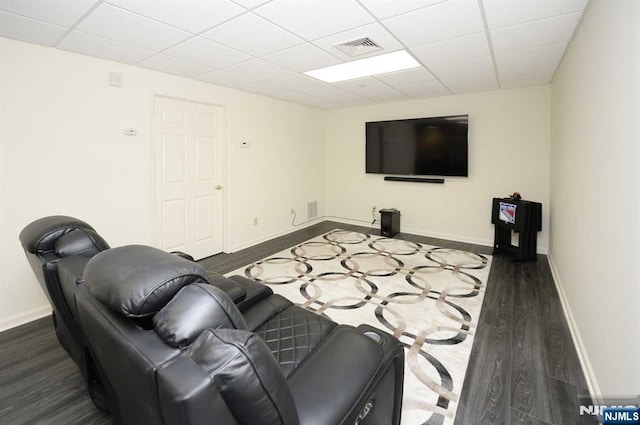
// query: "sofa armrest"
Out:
[70,275]
[188,396]
[226,377]
[332,384]
[236,292]
[256,292]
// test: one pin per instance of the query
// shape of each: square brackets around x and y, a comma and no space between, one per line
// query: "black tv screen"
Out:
[421,146]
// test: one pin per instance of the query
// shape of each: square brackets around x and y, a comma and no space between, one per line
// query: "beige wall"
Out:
[595,186]
[508,151]
[63,152]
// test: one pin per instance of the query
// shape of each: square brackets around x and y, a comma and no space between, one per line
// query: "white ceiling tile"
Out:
[527,73]
[260,87]
[224,78]
[313,19]
[304,57]
[382,93]
[250,4]
[530,58]
[386,95]
[285,94]
[501,13]
[419,90]
[87,44]
[173,65]
[371,88]
[257,69]
[116,24]
[471,83]
[409,76]
[361,85]
[60,12]
[480,65]
[295,81]
[375,32]
[252,34]
[206,52]
[459,48]
[454,18]
[193,15]
[387,8]
[534,34]
[331,93]
[305,99]
[263,45]
[535,81]
[26,29]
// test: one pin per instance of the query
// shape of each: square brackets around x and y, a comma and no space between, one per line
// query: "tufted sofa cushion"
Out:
[137,281]
[292,334]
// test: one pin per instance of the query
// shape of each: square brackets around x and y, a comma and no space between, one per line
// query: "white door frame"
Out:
[153,144]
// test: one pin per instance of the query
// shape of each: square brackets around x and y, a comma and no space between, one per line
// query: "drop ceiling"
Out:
[264,46]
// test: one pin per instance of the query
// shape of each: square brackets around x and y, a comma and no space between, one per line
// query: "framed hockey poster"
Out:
[507,213]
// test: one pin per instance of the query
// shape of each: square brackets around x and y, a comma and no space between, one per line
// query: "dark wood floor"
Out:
[523,367]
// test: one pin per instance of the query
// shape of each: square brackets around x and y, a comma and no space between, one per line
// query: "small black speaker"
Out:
[389,222]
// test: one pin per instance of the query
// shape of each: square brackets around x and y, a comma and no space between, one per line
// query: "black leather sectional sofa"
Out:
[160,340]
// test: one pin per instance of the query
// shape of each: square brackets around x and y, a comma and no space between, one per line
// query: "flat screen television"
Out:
[418,147]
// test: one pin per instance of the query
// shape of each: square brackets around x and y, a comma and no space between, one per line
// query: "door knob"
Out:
[218,187]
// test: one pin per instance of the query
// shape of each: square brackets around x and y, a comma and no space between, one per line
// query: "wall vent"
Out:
[358,47]
[312,210]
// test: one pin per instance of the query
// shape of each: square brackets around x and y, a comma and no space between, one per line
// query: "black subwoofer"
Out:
[389,222]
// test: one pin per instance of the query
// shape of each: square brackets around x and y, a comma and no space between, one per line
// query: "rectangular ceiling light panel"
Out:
[382,64]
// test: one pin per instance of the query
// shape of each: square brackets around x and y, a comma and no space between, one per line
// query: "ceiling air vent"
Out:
[359,47]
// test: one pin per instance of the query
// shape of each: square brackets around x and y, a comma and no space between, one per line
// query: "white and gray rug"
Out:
[428,297]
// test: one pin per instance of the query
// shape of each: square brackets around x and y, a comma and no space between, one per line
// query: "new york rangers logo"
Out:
[507,213]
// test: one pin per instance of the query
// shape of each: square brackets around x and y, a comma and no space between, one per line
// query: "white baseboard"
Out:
[349,221]
[456,238]
[25,317]
[483,242]
[592,383]
[274,235]
[476,241]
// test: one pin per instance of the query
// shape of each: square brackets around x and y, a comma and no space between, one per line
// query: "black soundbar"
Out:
[413,179]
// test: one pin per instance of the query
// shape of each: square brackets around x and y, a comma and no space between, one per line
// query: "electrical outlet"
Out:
[374,210]
[292,211]
[255,221]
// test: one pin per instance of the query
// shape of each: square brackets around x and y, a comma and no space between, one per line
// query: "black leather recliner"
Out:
[58,249]
[174,349]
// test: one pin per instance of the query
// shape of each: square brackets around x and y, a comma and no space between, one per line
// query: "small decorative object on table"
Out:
[516,196]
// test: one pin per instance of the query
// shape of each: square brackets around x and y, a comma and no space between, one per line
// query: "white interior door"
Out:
[188,178]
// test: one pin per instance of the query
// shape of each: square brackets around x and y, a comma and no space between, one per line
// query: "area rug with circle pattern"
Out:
[428,297]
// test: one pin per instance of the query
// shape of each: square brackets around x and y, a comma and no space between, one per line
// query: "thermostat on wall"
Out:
[115,79]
